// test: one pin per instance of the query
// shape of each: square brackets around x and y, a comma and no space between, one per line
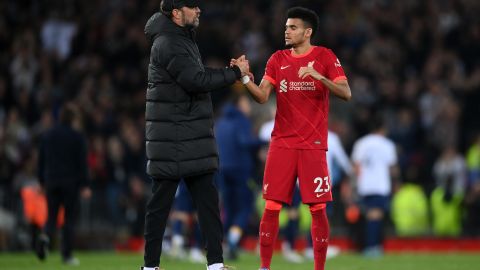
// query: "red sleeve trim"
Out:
[339,78]
[270,79]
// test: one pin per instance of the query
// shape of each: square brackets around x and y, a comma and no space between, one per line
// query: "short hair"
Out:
[308,16]
[377,122]
[68,114]
[235,97]
[167,11]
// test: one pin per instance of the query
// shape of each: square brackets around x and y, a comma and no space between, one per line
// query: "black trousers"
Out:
[205,198]
[67,197]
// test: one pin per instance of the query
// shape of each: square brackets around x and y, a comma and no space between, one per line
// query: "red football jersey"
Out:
[301,121]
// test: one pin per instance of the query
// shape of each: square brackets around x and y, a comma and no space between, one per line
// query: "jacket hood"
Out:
[159,24]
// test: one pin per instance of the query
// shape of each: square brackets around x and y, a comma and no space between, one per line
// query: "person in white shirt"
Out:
[336,156]
[375,158]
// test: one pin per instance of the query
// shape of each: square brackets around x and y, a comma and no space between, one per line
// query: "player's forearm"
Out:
[340,90]
[258,94]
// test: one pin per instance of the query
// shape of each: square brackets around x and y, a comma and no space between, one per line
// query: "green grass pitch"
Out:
[249,261]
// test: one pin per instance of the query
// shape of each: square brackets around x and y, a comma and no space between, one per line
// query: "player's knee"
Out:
[317,207]
[375,214]
[273,205]
[293,213]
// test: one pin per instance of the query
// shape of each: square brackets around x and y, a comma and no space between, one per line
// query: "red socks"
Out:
[320,237]
[268,234]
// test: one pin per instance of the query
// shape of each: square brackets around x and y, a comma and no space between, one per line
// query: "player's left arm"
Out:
[394,169]
[339,88]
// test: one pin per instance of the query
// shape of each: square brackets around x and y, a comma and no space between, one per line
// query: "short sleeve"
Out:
[270,70]
[266,131]
[393,155]
[334,70]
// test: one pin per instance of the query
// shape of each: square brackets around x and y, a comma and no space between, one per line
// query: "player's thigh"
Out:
[314,181]
[280,174]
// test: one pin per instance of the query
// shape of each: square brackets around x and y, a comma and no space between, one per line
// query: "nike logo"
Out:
[320,195]
[284,67]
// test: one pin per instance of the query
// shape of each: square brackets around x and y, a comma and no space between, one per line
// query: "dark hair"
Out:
[166,8]
[308,16]
[377,122]
[235,97]
[68,114]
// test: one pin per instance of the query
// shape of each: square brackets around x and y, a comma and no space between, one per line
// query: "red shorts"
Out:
[284,165]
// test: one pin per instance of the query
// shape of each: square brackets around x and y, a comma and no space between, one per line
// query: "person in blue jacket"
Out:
[237,146]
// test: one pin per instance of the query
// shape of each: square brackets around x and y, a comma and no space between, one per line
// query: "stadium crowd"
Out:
[415,62]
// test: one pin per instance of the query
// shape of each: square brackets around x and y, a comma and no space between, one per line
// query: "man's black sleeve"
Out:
[194,79]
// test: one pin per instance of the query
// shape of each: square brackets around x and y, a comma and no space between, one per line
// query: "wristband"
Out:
[245,79]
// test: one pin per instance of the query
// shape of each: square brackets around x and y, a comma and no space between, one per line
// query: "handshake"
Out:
[242,64]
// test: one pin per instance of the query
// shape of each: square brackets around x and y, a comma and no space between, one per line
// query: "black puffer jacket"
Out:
[179,114]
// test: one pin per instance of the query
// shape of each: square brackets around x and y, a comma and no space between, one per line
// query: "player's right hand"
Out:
[234,61]
[243,64]
[250,74]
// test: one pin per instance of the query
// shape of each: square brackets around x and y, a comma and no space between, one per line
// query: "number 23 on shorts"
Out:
[322,185]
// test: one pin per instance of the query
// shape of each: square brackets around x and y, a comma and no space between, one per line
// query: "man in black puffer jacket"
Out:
[179,126]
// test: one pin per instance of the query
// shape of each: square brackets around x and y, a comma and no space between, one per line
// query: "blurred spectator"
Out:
[185,228]
[117,181]
[24,66]
[57,36]
[137,198]
[472,198]
[446,199]
[62,171]
[451,167]
[410,211]
[7,171]
[337,160]
[7,227]
[375,159]
[237,146]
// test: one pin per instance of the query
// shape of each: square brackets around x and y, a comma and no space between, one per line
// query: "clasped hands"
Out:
[303,72]
[243,65]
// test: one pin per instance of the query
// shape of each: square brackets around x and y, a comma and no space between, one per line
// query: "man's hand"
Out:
[241,63]
[310,71]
